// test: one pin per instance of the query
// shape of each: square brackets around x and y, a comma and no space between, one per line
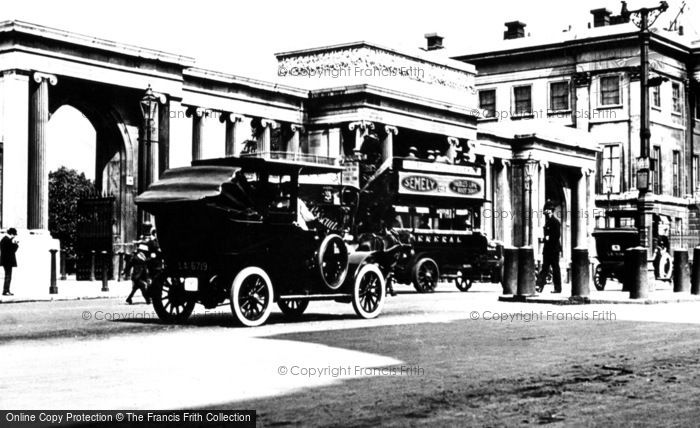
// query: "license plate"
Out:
[191,284]
[193,266]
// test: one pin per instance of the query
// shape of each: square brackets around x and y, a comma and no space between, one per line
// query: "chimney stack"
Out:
[515,30]
[601,17]
[434,41]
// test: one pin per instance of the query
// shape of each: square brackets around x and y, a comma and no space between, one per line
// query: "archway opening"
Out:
[71,142]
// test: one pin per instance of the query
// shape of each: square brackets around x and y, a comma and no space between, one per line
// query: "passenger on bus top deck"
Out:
[459,155]
[424,222]
[412,152]
[431,155]
[443,158]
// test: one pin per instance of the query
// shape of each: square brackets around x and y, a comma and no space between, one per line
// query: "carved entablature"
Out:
[363,63]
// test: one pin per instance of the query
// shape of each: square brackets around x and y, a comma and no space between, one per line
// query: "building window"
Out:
[523,100]
[610,90]
[610,164]
[656,156]
[656,96]
[676,173]
[697,106]
[487,103]
[696,172]
[559,96]
[677,102]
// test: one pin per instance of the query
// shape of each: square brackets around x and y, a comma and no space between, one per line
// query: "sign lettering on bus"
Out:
[419,183]
[441,185]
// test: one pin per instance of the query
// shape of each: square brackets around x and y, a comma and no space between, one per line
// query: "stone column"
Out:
[151,138]
[539,198]
[38,189]
[388,143]
[582,209]
[231,120]
[197,114]
[335,144]
[14,129]
[163,135]
[294,143]
[487,220]
[264,143]
[361,129]
[503,211]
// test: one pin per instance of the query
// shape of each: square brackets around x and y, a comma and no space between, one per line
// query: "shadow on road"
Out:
[220,319]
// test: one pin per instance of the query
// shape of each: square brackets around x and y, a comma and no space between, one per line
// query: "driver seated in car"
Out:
[304,215]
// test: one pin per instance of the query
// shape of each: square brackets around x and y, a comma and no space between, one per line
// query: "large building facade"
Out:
[359,91]
[590,80]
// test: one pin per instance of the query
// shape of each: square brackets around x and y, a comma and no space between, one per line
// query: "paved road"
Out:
[445,358]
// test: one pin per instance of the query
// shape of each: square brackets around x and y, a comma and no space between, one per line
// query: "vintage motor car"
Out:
[610,247]
[434,208]
[235,229]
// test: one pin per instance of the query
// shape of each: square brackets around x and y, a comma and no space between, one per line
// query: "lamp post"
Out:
[644,18]
[608,178]
[530,172]
[149,104]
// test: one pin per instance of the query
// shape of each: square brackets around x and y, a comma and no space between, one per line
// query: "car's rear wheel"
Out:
[293,308]
[425,275]
[170,300]
[333,261]
[251,296]
[369,291]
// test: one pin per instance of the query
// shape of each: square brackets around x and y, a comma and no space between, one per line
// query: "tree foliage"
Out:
[66,186]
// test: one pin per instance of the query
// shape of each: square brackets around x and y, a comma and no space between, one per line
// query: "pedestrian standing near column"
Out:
[551,250]
[8,258]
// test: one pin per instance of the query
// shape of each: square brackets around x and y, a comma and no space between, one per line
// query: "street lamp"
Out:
[149,104]
[644,18]
[530,172]
[608,178]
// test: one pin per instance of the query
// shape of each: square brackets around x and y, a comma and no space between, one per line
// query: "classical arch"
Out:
[116,153]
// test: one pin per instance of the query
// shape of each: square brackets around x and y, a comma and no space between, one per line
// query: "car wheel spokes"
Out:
[368,293]
[253,298]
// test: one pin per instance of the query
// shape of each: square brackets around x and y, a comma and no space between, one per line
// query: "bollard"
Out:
[53,288]
[526,271]
[63,265]
[636,272]
[105,271]
[695,278]
[580,284]
[681,271]
[92,265]
[510,270]
[127,271]
[120,265]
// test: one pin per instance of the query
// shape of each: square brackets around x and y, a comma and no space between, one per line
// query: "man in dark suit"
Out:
[8,259]
[551,250]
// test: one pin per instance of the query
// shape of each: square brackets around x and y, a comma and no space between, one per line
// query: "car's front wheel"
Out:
[251,296]
[369,291]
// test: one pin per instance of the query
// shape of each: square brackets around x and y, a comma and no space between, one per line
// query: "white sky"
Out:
[241,37]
